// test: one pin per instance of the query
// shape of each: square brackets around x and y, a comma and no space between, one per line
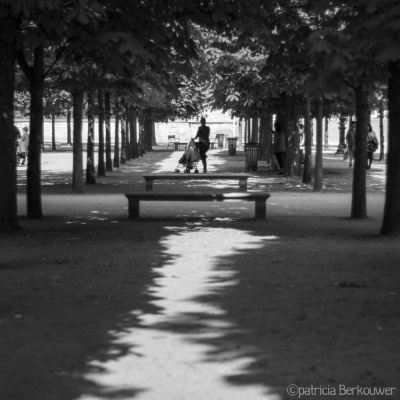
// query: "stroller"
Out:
[190,158]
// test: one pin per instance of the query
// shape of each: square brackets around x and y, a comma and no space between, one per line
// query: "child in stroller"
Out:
[190,158]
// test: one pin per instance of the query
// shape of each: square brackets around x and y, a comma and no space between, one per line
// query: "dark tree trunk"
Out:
[127,135]
[116,135]
[266,137]
[308,140]
[108,132]
[33,189]
[381,136]
[69,141]
[8,179]
[77,170]
[292,162]
[359,199]
[90,169]
[148,128]
[318,152]
[391,217]
[53,132]
[123,140]
[133,148]
[101,169]
[141,150]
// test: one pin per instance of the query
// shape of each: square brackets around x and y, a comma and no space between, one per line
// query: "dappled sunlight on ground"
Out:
[177,333]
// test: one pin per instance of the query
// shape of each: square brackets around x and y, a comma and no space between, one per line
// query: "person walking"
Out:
[24,145]
[203,134]
[350,142]
[17,134]
[372,145]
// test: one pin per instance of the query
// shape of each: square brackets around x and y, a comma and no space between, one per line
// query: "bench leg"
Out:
[243,185]
[149,184]
[261,209]
[133,208]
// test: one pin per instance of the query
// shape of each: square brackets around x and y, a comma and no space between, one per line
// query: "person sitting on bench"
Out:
[203,133]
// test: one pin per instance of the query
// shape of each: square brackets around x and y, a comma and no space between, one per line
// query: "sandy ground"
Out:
[199,302]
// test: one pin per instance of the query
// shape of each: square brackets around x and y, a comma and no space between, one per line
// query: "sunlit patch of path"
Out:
[171,356]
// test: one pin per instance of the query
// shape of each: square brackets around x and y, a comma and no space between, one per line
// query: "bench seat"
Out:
[260,199]
[193,176]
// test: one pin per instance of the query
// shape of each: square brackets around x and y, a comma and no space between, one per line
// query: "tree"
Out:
[107,113]
[77,175]
[90,169]
[8,179]
[391,217]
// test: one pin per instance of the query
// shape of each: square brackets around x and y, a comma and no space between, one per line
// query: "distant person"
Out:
[350,142]
[24,145]
[17,134]
[372,145]
[280,145]
[203,134]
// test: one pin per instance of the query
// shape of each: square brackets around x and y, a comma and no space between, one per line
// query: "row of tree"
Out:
[253,58]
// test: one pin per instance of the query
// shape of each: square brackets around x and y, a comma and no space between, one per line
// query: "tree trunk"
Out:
[359,199]
[33,189]
[133,134]
[108,132]
[127,144]
[391,216]
[90,169]
[8,176]
[318,152]
[77,168]
[101,169]
[147,135]
[308,140]
[53,132]
[141,138]
[116,135]
[266,137]
[69,141]
[123,140]
[381,136]
[326,134]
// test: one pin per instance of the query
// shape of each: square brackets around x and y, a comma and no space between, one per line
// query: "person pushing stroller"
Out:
[203,134]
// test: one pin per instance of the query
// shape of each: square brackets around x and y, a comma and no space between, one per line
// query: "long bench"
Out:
[186,177]
[260,199]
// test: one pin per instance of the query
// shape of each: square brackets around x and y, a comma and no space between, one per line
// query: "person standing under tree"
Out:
[372,145]
[17,143]
[24,145]
[203,133]
[279,145]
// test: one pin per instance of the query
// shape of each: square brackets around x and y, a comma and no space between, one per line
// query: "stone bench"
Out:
[186,177]
[260,199]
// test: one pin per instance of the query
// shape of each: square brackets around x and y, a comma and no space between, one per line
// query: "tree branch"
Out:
[23,64]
